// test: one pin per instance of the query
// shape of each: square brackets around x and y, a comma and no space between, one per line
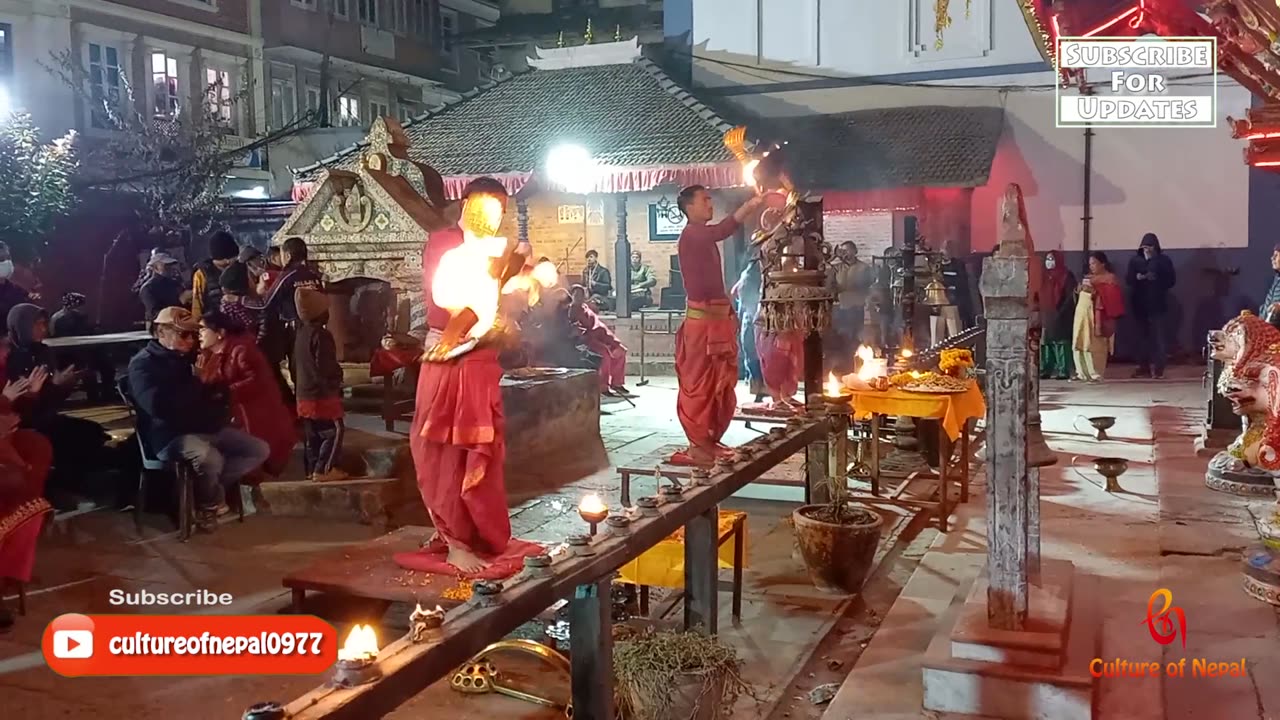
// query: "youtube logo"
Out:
[73,644]
[68,643]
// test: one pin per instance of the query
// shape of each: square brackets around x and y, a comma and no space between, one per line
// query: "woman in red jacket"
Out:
[229,356]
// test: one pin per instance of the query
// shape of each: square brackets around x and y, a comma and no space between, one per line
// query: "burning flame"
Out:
[833,388]
[463,280]
[361,644]
[749,172]
[870,366]
[906,352]
[543,275]
[593,505]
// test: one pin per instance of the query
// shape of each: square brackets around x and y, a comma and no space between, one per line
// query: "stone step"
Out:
[369,501]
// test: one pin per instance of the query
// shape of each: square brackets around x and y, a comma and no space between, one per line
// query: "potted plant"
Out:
[837,541]
[668,675]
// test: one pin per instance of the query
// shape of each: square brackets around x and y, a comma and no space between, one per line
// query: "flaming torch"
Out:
[472,278]
[357,658]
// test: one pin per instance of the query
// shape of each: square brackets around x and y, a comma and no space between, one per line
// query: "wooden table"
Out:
[956,414]
[368,571]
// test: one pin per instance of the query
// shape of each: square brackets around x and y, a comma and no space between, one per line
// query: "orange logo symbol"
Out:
[1161,623]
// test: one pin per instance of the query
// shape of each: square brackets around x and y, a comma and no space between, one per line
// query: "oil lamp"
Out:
[426,625]
[593,511]
[357,658]
[265,711]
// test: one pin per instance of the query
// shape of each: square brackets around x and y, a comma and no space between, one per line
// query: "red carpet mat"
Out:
[431,559]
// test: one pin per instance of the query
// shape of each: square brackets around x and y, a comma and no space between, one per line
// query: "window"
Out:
[164,85]
[348,111]
[284,100]
[218,98]
[6,50]
[420,18]
[406,112]
[399,16]
[313,98]
[378,108]
[367,11]
[104,84]
[448,32]
[340,9]
[307,4]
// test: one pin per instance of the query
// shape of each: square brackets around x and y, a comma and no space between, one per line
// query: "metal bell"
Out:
[935,293]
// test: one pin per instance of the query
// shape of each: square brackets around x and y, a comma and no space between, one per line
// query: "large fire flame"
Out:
[361,644]
[870,366]
[466,278]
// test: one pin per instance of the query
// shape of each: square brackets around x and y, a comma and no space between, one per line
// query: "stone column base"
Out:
[1039,672]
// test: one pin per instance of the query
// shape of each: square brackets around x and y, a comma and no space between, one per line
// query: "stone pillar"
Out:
[622,261]
[522,220]
[1004,286]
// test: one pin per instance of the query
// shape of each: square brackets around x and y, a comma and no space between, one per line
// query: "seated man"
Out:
[643,281]
[181,417]
[598,282]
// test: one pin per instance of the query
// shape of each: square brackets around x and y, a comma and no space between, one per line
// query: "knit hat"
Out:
[73,300]
[312,304]
[235,279]
[222,246]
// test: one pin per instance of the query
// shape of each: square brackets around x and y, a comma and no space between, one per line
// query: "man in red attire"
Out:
[600,340]
[457,434]
[706,344]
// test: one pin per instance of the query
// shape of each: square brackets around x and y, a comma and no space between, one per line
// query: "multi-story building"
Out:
[257,65]
[838,65]
[505,45]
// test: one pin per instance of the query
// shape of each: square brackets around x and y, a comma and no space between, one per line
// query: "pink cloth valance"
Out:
[609,180]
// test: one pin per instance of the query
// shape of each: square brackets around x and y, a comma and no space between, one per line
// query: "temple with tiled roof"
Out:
[647,137]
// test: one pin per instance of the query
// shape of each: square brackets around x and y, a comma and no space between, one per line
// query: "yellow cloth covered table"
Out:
[953,409]
[663,564]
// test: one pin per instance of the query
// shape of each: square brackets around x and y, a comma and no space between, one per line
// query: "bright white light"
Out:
[572,168]
[257,192]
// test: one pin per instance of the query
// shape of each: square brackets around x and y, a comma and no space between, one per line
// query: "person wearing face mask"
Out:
[11,293]
[1150,277]
[1057,317]
[181,417]
[162,288]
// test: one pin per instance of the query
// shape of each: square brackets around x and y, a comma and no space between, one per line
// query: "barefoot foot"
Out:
[466,561]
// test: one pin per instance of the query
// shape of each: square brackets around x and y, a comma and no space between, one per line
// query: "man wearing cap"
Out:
[163,288]
[180,417]
[206,290]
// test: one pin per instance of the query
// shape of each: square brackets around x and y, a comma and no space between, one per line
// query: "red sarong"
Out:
[458,450]
[780,359]
[23,509]
[707,371]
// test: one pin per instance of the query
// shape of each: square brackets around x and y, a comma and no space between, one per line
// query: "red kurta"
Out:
[256,404]
[600,340]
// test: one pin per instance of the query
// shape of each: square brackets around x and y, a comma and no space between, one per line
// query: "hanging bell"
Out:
[935,293]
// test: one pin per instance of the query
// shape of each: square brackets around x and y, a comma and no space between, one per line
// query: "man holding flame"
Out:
[706,344]
[457,434]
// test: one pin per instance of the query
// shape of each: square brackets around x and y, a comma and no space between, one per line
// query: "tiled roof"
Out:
[927,145]
[629,115]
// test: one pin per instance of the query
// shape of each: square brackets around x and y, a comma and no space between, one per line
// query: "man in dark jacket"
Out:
[180,417]
[1150,278]
[278,315]
[11,294]
[162,289]
[206,286]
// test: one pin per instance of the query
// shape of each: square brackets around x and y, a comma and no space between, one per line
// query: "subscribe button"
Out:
[77,645]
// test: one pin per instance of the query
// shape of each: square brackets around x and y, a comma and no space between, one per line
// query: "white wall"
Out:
[39,28]
[863,37]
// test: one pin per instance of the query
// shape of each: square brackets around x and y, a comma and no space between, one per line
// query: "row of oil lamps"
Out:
[358,657]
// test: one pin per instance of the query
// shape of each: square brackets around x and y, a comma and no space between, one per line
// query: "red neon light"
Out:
[1262,136]
[1132,23]
[1266,163]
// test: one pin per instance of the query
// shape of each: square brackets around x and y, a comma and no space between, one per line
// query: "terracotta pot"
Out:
[838,557]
